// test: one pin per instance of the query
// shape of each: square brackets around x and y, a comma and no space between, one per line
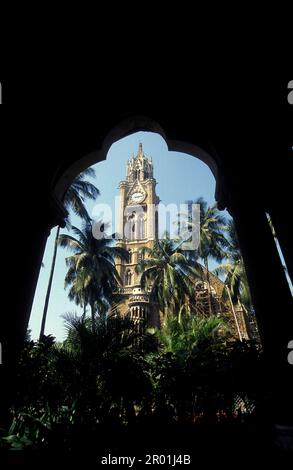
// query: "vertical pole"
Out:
[234,314]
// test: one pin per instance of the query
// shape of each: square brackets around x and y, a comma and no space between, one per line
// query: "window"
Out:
[141,227]
[141,256]
[128,278]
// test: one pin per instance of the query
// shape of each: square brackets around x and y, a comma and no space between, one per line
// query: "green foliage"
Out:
[92,275]
[78,192]
[234,271]
[74,200]
[186,333]
[166,271]
[212,242]
[109,379]
[105,377]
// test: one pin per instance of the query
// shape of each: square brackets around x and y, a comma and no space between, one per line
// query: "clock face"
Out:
[138,196]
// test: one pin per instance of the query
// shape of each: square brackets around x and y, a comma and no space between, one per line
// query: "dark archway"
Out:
[237,189]
[260,264]
[240,205]
[127,127]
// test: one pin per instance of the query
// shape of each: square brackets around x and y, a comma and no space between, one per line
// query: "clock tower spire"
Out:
[138,228]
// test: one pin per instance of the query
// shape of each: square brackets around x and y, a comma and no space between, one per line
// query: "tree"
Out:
[104,366]
[212,240]
[186,343]
[234,271]
[92,274]
[168,273]
[185,333]
[74,200]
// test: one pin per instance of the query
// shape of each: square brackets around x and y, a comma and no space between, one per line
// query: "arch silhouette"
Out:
[123,129]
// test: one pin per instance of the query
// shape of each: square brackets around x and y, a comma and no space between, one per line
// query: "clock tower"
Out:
[137,228]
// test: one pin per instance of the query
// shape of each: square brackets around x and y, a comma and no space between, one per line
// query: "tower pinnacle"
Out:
[140,150]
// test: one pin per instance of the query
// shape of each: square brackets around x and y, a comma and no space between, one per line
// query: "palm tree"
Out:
[234,270]
[74,200]
[77,291]
[167,273]
[80,291]
[92,273]
[212,241]
[105,372]
[184,334]
[186,343]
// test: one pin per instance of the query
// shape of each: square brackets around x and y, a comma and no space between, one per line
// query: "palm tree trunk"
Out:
[93,318]
[45,311]
[166,311]
[209,286]
[84,312]
[234,314]
[246,321]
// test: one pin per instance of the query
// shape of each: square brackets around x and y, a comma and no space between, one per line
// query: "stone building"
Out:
[138,228]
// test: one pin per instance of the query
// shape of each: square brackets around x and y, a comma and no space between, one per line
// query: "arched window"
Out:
[131,226]
[141,255]
[141,227]
[156,224]
[130,256]
[132,231]
[128,278]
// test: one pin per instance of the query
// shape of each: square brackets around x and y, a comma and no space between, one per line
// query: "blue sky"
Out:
[179,176]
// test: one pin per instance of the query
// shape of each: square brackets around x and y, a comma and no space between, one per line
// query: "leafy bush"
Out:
[103,380]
